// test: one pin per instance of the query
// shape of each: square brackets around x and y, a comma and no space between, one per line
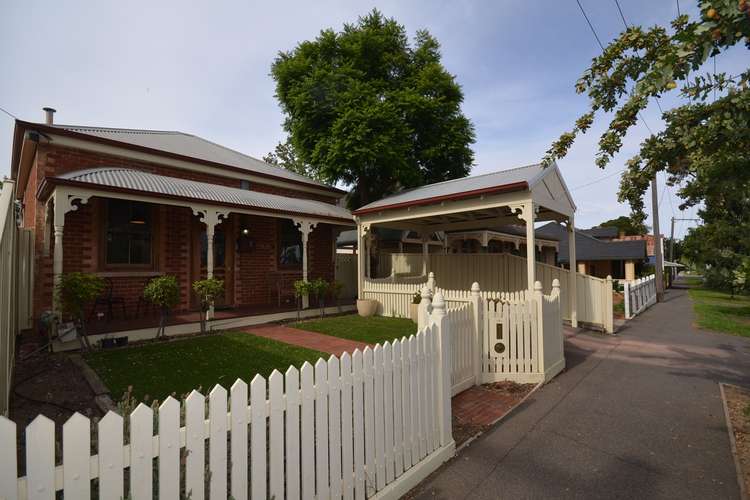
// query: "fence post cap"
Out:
[555,283]
[537,286]
[609,277]
[438,304]
[426,293]
[431,274]
[475,288]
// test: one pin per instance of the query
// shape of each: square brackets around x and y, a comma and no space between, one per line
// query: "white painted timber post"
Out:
[431,282]
[423,316]
[425,252]
[305,227]
[362,230]
[530,215]
[439,319]
[477,305]
[626,294]
[538,300]
[64,203]
[572,292]
[609,325]
[211,218]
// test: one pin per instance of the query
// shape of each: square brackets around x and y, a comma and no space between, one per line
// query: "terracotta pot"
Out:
[414,312]
[367,307]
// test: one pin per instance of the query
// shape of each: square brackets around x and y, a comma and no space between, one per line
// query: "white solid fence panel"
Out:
[346,274]
[497,273]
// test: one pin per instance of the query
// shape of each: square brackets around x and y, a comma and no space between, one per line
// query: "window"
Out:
[129,228]
[290,245]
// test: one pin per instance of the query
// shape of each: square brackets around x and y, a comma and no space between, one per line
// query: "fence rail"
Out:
[639,295]
[372,424]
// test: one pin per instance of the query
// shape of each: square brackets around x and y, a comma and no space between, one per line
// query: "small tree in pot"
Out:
[335,289]
[301,288]
[164,293]
[208,291]
[319,289]
[75,291]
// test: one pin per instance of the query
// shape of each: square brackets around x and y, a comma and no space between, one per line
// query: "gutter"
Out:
[515,186]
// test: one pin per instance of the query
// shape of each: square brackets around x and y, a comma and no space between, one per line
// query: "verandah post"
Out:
[538,299]
[439,320]
[477,304]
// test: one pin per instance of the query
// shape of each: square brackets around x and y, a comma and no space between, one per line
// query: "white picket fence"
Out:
[639,295]
[507,273]
[369,425]
[394,298]
[463,351]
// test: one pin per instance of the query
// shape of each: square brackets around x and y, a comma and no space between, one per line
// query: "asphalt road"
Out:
[637,415]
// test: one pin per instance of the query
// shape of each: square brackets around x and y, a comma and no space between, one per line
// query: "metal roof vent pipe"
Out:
[49,115]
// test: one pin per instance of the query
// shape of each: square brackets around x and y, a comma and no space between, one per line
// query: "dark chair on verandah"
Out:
[108,301]
[146,305]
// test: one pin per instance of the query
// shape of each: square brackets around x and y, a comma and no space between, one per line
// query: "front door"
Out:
[223,260]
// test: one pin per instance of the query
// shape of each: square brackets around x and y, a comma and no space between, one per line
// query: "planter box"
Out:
[367,307]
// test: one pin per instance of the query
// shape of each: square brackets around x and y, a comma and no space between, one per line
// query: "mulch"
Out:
[738,404]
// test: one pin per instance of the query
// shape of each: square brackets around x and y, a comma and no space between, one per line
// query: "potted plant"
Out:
[207,290]
[414,307]
[75,291]
[164,293]
[301,288]
[367,307]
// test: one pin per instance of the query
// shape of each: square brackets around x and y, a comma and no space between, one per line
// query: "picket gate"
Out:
[639,295]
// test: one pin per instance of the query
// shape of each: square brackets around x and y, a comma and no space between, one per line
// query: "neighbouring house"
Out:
[131,204]
[599,252]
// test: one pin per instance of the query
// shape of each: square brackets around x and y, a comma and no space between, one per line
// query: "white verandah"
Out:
[530,194]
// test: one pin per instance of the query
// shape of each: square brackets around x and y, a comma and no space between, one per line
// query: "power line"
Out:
[678,8]
[598,180]
[8,113]
[590,25]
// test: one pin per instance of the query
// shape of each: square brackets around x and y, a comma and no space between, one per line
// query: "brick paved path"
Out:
[303,338]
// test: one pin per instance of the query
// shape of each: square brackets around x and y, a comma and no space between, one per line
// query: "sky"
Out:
[203,68]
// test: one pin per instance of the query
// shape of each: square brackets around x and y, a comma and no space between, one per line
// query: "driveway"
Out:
[637,415]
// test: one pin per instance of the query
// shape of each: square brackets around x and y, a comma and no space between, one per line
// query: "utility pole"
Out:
[659,264]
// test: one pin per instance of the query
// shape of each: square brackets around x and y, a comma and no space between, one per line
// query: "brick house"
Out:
[129,205]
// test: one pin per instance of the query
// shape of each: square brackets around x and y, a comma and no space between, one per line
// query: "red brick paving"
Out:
[303,338]
[482,406]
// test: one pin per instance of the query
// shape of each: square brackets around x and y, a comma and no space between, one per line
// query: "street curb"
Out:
[492,424]
[732,443]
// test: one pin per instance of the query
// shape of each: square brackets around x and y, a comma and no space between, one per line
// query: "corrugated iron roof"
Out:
[190,145]
[119,178]
[590,248]
[528,174]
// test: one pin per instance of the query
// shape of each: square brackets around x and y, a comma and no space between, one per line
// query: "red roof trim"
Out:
[514,186]
[44,190]
[159,152]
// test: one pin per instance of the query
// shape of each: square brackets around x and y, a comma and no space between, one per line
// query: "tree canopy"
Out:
[705,145]
[366,108]
[627,225]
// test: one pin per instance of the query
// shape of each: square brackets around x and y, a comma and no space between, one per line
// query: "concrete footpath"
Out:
[637,415]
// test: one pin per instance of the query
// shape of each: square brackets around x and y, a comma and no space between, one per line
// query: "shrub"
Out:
[75,291]
[208,291]
[163,292]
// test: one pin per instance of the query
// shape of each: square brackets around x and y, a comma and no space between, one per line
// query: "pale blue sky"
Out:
[203,68]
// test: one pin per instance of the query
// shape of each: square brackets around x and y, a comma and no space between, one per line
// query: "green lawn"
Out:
[719,312]
[179,366]
[372,330]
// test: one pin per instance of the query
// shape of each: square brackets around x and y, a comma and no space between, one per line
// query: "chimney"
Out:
[49,114]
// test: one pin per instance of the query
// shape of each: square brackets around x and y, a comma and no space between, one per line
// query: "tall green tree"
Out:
[286,157]
[704,144]
[627,225]
[366,108]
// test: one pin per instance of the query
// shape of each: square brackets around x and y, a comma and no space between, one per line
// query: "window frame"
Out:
[104,229]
